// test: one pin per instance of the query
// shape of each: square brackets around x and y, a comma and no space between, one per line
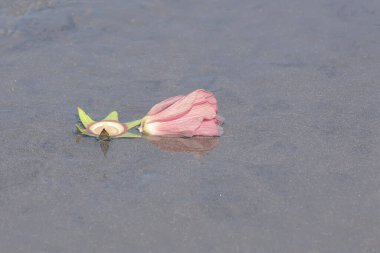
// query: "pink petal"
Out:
[205,96]
[209,128]
[199,103]
[163,105]
[176,110]
[219,119]
[178,127]
[204,111]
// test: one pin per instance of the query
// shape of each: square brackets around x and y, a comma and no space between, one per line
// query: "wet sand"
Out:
[297,169]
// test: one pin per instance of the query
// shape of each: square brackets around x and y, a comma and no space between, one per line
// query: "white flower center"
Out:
[112,128]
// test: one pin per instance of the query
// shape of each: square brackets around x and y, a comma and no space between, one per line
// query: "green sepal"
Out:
[128,135]
[132,124]
[79,129]
[112,116]
[84,118]
[83,131]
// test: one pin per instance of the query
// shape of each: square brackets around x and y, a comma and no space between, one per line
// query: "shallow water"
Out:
[297,169]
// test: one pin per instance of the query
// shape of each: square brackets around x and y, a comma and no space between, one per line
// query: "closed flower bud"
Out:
[193,115]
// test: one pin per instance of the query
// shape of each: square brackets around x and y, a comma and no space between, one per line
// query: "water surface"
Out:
[297,169]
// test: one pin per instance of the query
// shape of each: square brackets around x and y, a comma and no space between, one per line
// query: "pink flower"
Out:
[194,114]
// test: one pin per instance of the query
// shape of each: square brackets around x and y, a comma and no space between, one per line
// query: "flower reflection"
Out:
[104,146]
[198,145]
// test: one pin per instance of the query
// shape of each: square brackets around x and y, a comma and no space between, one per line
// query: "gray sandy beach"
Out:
[298,166]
